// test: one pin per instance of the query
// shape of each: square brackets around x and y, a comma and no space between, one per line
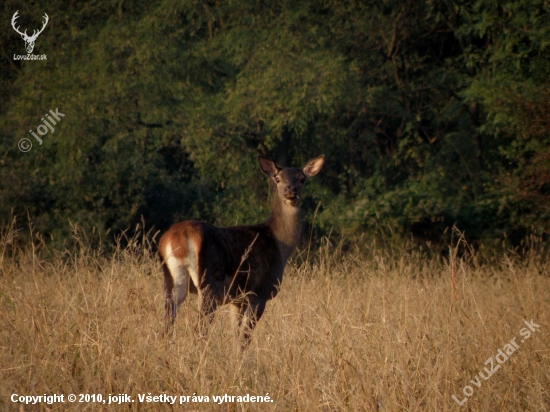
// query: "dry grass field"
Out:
[357,331]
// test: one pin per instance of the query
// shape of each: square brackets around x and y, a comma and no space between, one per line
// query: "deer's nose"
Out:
[291,192]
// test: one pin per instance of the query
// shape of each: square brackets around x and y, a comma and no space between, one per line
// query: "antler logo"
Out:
[29,40]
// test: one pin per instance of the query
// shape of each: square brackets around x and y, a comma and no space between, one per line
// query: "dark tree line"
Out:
[430,113]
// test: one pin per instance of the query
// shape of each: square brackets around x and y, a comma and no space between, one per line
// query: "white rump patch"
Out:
[179,275]
[192,262]
[181,269]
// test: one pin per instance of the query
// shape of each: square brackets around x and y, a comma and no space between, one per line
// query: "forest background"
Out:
[430,114]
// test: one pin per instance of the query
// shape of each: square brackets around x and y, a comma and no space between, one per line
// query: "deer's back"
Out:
[232,260]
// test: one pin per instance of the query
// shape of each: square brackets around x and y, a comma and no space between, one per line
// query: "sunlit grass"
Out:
[348,331]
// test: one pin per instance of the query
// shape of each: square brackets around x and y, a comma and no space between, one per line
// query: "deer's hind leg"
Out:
[169,313]
[208,304]
[176,287]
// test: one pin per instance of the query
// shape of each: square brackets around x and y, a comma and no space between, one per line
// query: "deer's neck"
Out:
[285,223]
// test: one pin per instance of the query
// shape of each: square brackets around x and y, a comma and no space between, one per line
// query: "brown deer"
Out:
[239,265]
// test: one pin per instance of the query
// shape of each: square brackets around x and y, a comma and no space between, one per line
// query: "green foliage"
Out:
[430,113]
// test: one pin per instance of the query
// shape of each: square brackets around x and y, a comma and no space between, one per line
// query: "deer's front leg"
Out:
[253,311]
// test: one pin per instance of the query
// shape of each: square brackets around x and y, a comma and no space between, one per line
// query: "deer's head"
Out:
[29,40]
[290,180]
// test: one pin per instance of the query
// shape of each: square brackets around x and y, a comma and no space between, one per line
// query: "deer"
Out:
[240,265]
[29,40]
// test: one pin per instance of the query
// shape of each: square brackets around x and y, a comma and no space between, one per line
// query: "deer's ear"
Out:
[267,166]
[314,166]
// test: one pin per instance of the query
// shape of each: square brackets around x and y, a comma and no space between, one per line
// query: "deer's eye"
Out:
[277,180]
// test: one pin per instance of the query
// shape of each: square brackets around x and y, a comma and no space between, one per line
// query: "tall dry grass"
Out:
[349,331]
